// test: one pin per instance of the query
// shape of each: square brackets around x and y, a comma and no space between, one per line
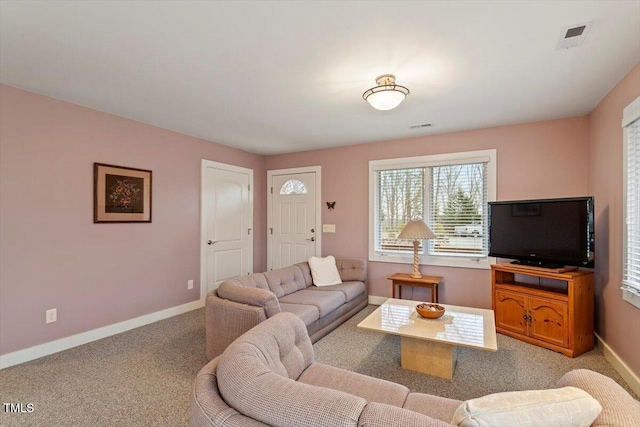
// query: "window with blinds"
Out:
[458,210]
[449,192]
[400,198]
[631,223]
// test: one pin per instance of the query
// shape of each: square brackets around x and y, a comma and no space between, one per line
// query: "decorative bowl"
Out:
[430,311]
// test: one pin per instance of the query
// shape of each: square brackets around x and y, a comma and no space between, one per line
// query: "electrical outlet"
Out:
[190,284]
[51,315]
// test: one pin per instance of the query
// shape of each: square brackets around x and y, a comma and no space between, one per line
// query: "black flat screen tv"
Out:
[547,232]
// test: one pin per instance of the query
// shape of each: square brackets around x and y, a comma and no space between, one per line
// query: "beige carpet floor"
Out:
[515,366]
[143,377]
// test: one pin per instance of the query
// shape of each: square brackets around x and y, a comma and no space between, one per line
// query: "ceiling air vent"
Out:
[574,35]
[421,125]
[575,32]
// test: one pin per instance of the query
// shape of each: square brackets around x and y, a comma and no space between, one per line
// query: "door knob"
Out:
[313,239]
[209,242]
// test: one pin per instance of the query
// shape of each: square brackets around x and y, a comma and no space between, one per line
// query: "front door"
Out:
[227,218]
[294,220]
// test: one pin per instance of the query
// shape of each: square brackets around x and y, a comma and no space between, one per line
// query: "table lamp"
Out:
[416,230]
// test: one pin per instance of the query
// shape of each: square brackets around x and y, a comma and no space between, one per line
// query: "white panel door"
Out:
[294,226]
[228,223]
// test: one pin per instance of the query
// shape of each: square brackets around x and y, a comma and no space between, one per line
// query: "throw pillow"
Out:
[567,407]
[324,271]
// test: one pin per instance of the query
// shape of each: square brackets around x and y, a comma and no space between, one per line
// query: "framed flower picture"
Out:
[121,194]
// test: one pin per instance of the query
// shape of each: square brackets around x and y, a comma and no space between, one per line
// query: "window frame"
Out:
[489,156]
[631,113]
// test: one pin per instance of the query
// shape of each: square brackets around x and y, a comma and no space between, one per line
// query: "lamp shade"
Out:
[416,229]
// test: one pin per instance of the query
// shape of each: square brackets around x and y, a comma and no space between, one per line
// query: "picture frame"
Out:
[121,194]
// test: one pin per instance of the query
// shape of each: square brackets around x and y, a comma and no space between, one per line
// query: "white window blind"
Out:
[631,223]
[450,192]
[400,198]
[458,210]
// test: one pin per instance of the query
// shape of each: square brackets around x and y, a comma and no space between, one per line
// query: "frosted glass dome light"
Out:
[387,95]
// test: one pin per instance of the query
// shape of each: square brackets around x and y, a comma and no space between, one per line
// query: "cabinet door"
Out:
[549,321]
[510,311]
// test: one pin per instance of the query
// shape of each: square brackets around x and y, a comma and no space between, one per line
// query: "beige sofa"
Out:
[243,302]
[268,377]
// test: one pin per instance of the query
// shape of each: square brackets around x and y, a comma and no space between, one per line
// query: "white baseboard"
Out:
[377,300]
[35,352]
[618,364]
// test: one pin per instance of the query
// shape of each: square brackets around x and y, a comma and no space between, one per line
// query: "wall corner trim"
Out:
[41,350]
[618,364]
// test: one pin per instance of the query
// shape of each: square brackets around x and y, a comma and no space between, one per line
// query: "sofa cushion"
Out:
[256,376]
[352,269]
[325,302]
[369,388]
[308,313]
[619,408]
[284,281]
[438,407]
[349,289]
[324,271]
[306,273]
[383,415]
[567,407]
[281,343]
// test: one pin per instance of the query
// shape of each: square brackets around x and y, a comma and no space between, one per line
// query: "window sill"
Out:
[631,295]
[458,262]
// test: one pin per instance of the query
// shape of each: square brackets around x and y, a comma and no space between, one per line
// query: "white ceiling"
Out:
[273,76]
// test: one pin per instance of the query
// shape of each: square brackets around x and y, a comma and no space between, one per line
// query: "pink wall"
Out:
[617,321]
[52,255]
[96,274]
[544,159]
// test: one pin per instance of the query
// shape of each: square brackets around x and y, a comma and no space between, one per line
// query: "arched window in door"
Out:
[293,186]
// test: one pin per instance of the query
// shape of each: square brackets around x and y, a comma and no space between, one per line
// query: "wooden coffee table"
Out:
[431,346]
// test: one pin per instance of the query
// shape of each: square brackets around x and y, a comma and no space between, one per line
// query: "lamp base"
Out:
[416,272]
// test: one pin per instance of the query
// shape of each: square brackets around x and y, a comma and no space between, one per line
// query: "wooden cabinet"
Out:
[557,315]
[536,317]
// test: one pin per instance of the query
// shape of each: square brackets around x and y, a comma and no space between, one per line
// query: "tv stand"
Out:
[559,317]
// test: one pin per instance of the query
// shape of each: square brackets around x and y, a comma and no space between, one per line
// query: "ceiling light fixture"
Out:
[387,95]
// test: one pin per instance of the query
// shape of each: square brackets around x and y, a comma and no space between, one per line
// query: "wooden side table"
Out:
[402,279]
